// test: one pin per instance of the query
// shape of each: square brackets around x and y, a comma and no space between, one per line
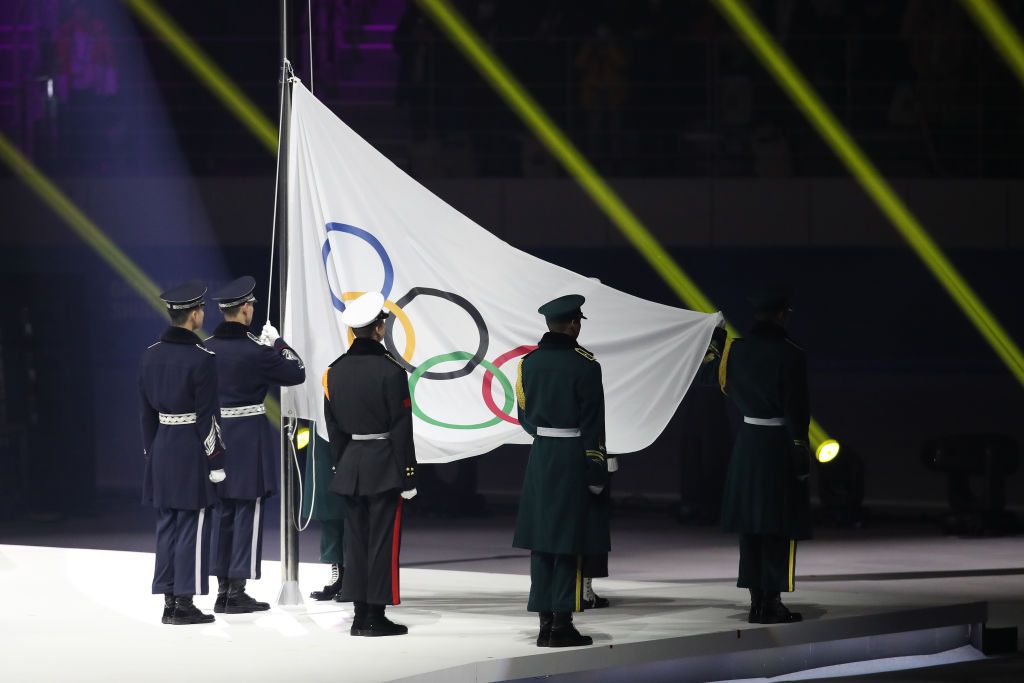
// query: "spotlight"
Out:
[827,450]
[991,457]
[302,438]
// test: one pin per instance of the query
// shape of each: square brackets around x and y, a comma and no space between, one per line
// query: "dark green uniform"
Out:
[766,498]
[559,386]
[326,507]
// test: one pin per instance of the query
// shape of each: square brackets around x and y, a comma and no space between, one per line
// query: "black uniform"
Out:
[246,370]
[560,520]
[182,442]
[766,498]
[369,422]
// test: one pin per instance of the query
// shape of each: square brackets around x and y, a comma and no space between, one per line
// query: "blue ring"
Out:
[389,271]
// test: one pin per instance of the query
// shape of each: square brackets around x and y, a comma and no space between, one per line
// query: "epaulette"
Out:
[153,344]
[252,337]
[203,348]
[795,345]
[586,354]
[392,359]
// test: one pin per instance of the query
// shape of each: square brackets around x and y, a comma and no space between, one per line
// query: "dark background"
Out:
[691,131]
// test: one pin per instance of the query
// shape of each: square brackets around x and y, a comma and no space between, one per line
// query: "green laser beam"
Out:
[1000,31]
[91,234]
[206,70]
[858,164]
[531,113]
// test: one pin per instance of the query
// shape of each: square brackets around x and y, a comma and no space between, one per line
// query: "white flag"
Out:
[464,302]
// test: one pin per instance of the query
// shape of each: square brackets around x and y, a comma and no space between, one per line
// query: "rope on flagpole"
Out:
[286,69]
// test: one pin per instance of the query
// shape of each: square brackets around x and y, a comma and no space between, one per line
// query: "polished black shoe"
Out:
[223,585]
[168,608]
[754,616]
[544,637]
[379,625]
[186,613]
[774,612]
[359,619]
[242,603]
[330,591]
[597,603]
[564,633]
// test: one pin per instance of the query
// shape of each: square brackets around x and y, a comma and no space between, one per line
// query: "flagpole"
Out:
[289,593]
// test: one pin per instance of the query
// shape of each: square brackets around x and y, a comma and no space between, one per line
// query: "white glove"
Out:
[270,335]
[409,495]
[613,463]
[596,490]
[217,476]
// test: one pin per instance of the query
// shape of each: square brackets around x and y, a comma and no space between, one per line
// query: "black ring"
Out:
[471,364]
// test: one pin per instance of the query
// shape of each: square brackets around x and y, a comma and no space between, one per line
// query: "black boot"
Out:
[222,594]
[592,600]
[168,608]
[544,637]
[359,620]
[240,603]
[564,634]
[187,613]
[755,606]
[379,625]
[774,612]
[332,589]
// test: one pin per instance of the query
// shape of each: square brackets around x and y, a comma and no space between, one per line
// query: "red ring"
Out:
[489,377]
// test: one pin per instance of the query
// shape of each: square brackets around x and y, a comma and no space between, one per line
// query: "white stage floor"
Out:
[88,615]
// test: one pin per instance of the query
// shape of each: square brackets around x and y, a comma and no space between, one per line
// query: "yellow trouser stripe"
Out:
[792,564]
[579,583]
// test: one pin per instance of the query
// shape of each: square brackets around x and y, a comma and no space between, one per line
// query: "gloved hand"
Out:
[269,335]
[800,454]
[409,495]
[217,476]
[613,463]
[596,490]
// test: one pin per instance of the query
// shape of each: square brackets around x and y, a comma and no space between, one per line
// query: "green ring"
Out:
[458,355]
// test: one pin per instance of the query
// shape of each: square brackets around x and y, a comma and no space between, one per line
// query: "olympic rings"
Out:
[421,371]
[489,375]
[410,333]
[474,359]
[389,271]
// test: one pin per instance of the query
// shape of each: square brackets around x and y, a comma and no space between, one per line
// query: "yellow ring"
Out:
[410,334]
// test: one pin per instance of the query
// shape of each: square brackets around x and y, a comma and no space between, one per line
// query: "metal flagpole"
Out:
[289,593]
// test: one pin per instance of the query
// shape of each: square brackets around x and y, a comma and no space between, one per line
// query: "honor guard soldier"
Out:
[184,452]
[327,507]
[766,499]
[247,366]
[560,400]
[369,423]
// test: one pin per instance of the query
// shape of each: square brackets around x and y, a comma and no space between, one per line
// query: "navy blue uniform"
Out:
[246,370]
[182,442]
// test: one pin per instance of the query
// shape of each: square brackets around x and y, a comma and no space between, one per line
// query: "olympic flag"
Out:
[464,303]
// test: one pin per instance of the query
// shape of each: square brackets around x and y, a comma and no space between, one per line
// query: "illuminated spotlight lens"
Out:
[828,450]
[302,437]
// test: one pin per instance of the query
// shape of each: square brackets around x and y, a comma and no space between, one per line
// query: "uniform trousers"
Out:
[373,539]
[332,541]
[556,583]
[767,562]
[182,552]
[237,541]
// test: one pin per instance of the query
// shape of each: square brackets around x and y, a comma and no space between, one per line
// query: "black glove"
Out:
[800,454]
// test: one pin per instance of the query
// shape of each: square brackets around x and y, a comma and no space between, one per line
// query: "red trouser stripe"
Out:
[396,536]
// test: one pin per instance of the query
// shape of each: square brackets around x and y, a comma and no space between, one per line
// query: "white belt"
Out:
[243,411]
[370,437]
[558,432]
[766,421]
[179,419]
